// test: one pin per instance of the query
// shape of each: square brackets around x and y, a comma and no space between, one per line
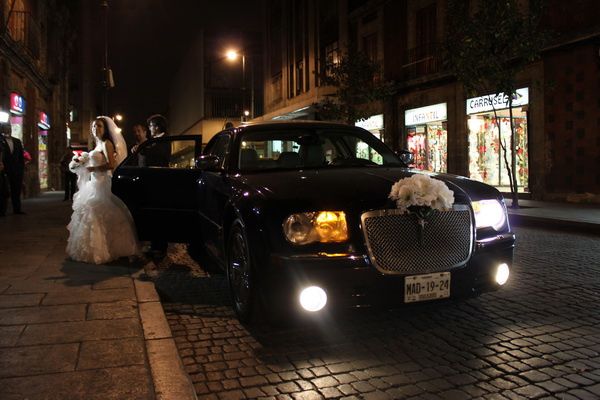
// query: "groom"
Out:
[157,155]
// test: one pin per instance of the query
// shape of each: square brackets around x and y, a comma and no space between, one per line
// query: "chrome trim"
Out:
[497,240]
[386,212]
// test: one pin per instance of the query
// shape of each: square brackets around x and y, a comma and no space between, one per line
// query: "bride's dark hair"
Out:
[106,135]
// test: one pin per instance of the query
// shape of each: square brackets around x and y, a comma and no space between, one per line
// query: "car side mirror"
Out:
[209,162]
[406,157]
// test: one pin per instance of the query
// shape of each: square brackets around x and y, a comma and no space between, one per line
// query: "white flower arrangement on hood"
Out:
[423,192]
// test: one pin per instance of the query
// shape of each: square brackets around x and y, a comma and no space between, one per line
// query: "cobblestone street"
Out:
[537,338]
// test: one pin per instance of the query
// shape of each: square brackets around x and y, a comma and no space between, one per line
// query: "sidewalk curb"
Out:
[554,223]
[169,378]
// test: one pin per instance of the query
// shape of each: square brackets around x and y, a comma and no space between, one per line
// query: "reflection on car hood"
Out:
[349,186]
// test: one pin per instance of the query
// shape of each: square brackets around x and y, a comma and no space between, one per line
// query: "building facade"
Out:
[209,89]
[33,85]
[556,110]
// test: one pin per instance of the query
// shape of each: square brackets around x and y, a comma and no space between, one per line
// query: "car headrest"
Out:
[248,158]
[288,159]
[313,155]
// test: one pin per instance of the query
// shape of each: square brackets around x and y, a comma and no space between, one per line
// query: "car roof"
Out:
[252,126]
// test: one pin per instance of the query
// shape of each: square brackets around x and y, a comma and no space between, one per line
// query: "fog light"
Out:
[313,298]
[502,273]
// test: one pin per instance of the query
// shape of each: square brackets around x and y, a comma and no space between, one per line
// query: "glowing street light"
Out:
[118,117]
[232,55]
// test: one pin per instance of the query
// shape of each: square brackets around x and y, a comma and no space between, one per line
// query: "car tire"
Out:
[240,276]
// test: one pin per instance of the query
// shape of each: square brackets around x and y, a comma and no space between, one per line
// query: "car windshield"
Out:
[312,148]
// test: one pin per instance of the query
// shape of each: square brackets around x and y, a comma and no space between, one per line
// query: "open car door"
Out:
[159,186]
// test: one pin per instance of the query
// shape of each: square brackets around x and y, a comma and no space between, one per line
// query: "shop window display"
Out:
[16,123]
[43,159]
[428,143]
[486,156]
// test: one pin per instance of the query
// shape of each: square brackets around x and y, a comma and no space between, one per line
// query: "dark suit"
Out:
[14,166]
[156,154]
[4,191]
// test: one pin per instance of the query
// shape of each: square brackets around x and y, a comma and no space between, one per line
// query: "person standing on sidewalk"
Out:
[157,155]
[14,165]
[4,191]
[101,228]
[70,179]
[141,135]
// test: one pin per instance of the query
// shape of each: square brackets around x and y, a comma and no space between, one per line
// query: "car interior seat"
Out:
[248,159]
[288,159]
[313,155]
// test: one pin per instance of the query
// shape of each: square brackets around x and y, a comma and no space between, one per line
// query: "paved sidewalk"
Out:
[571,216]
[71,330]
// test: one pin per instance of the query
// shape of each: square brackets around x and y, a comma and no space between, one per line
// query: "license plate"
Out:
[426,287]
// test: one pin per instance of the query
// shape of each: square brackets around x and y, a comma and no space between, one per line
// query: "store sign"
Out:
[44,121]
[423,115]
[498,102]
[17,104]
[373,123]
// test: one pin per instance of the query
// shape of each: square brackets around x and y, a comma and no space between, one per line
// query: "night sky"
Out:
[148,38]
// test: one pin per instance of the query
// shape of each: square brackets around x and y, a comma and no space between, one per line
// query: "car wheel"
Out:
[239,273]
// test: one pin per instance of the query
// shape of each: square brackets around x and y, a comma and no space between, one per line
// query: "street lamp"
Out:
[118,117]
[107,75]
[232,55]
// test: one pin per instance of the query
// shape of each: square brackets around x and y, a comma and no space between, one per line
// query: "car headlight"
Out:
[318,226]
[489,213]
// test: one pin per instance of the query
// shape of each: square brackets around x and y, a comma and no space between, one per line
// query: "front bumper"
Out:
[350,280]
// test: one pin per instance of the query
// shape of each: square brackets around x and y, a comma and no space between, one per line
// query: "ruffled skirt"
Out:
[101,228]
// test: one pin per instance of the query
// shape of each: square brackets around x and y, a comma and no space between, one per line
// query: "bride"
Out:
[101,227]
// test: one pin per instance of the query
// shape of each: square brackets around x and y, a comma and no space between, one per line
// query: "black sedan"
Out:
[302,216]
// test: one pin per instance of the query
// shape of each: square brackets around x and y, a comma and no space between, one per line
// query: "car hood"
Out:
[348,187]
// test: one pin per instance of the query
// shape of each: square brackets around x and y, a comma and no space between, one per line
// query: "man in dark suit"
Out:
[157,155]
[4,191]
[14,165]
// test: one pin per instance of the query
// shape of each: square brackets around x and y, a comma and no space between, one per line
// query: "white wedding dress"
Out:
[101,227]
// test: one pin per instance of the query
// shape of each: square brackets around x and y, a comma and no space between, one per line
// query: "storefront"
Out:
[43,125]
[17,111]
[489,139]
[373,124]
[427,136]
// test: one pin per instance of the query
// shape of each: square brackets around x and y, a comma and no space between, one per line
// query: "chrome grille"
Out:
[397,245]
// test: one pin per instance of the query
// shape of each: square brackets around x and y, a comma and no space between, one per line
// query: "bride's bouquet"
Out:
[78,166]
[78,161]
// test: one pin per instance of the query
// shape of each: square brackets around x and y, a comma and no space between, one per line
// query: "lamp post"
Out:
[107,76]
[232,55]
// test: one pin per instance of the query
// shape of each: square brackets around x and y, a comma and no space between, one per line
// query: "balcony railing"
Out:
[223,103]
[24,30]
[423,60]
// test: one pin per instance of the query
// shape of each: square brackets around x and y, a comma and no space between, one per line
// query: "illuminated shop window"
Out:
[429,144]
[487,137]
[427,136]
